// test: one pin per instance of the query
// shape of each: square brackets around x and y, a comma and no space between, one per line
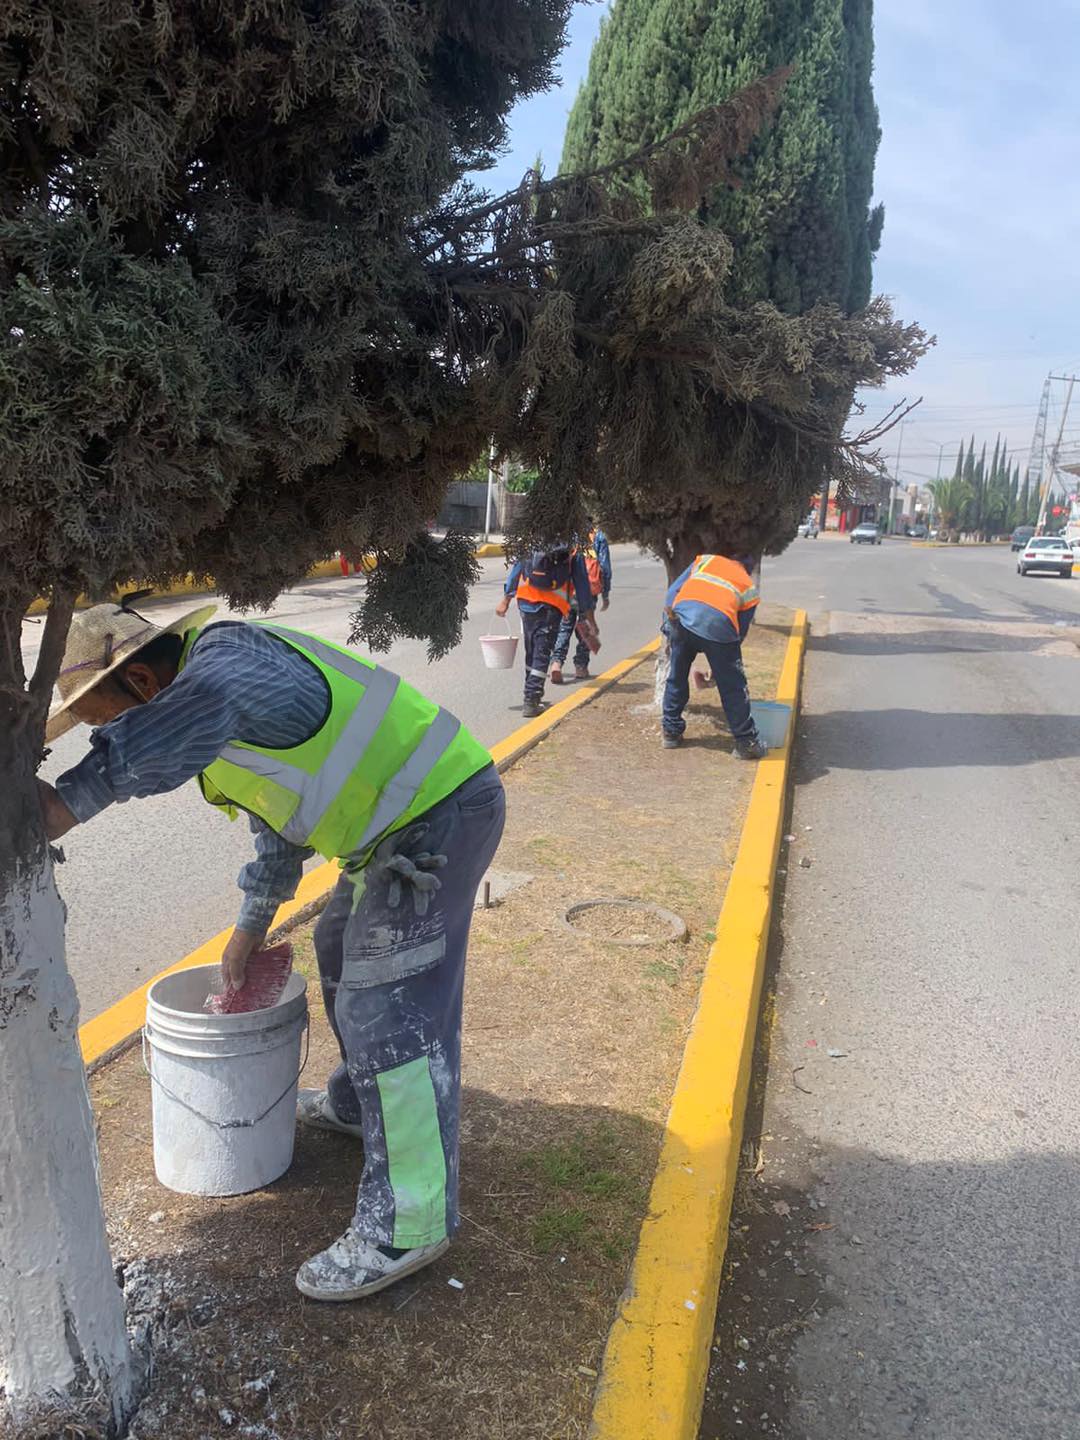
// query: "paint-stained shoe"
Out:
[313,1108]
[670,742]
[755,749]
[353,1267]
[531,709]
[555,674]
[581,672]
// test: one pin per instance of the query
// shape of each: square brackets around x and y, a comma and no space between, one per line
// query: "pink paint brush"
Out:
[265,980]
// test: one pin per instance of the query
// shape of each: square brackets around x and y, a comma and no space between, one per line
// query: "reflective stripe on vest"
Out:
[721,583]
[559,596]
[395,754]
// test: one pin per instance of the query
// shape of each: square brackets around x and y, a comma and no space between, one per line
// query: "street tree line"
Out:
[984,497]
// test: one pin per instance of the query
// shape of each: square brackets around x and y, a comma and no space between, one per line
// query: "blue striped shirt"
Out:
[239,683]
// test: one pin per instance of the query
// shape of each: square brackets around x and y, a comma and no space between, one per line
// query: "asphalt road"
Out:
[932,941]
[148,881]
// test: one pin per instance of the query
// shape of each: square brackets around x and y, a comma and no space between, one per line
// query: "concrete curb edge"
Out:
[652,1381]
[110,1033]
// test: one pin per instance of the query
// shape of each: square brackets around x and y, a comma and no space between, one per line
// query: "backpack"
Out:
[595,574]
[549,569]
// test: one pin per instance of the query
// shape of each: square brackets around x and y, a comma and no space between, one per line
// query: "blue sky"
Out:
[979,176]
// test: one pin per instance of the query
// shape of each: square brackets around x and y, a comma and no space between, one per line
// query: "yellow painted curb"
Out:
[652,1383]
[117,1025]
[324,570]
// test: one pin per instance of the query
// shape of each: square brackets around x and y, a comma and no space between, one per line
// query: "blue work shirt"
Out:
[239,683]
[585,602]
[705,621]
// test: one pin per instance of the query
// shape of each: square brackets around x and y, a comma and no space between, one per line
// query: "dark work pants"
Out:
[725,661]
[392,984]
[562,643]
[540,628]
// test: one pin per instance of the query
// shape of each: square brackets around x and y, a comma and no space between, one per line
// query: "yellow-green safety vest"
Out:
[383,755]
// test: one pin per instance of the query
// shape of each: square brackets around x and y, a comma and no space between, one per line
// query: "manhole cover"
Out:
[624,922]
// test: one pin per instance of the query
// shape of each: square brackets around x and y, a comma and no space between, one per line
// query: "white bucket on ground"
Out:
[224,1086]
[499,650]
[772,721]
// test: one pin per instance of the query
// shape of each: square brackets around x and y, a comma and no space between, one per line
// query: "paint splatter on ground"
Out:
[571,1047]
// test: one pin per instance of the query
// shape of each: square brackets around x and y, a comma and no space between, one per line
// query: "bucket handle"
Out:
[236,1055]
[506,621]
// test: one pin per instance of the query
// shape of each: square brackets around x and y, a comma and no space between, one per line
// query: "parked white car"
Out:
[1046,552]
[808,530]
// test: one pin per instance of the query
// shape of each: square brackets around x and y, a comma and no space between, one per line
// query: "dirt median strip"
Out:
[571,1048]
[652,1381]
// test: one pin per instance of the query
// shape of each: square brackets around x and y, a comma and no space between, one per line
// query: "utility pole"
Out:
[1052,467]
[896,477]
[491,487]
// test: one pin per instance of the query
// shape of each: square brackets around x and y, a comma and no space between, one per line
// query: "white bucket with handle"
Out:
[499,651]
[224,1086]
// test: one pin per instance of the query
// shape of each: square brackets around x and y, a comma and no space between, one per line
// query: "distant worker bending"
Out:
[708,611]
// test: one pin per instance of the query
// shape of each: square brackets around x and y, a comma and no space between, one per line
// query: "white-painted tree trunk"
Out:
[63,1342]
[660,673]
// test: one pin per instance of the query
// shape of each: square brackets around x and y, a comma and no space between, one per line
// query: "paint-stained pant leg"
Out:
[540,628]
[726,664]
[329,952]
[397,1015]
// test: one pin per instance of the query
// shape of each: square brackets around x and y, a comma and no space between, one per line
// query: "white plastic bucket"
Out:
[772,721]
[224,1086]
[499,650]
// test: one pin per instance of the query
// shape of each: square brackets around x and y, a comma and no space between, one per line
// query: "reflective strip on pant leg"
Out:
[541,673]
[415,1153]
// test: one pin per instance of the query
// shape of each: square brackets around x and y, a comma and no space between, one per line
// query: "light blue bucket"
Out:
[772,720]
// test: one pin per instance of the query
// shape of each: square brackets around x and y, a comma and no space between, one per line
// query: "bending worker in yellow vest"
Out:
[708,611]
[326,752]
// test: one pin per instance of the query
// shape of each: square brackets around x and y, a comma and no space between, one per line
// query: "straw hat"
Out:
[100,640]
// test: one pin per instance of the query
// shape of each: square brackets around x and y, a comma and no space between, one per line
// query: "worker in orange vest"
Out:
[547,585]
[708,611]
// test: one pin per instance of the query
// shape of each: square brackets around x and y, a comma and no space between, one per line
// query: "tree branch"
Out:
[51,654]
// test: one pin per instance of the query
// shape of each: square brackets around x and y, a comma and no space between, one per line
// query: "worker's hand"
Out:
[242,944]
[56,815]
[503,606]
[604,602]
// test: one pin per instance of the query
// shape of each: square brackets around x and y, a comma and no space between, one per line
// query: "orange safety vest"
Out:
[721,583]
[559,596]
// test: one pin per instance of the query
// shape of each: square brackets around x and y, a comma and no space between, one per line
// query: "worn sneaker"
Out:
[555,674]
[353,1267]
[531,709]
[313,1108]
[755,749]
[670,742]
[581,672]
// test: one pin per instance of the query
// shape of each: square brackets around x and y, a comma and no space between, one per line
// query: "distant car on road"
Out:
[1021,535]
[1046,552]
[917,532]
[808,530]
[866,534]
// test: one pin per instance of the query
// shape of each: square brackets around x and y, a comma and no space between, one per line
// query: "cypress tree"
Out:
[800,219]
